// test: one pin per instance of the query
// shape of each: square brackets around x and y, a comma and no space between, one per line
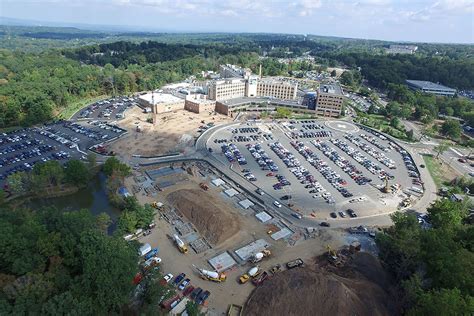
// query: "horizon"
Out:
[304,18]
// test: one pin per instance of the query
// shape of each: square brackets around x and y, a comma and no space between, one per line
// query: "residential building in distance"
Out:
[329,100]
[161,102]
[402,49]
[430,87]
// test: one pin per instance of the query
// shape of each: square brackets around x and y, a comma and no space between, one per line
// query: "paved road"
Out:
[201,153]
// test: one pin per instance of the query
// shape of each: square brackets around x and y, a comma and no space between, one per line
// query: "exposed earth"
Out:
[357,288]
[210,216]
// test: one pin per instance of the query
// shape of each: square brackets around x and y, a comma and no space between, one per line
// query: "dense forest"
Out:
[433,266]
[381,70]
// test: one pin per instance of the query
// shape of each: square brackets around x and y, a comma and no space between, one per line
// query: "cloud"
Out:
[306,7]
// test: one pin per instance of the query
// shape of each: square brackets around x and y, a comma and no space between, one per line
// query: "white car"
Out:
[168,277]
[277,204]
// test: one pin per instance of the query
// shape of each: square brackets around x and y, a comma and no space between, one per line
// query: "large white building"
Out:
[252,86]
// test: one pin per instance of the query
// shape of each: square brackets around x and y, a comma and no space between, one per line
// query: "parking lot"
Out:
[109,109]
[317,167]
[20,150]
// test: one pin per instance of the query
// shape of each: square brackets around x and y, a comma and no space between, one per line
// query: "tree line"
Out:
[432,265]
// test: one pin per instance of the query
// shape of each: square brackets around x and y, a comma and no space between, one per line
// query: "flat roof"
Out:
[222,262]
[246,100]
[159,97]
[263,216]
[330,88]
[429,85]
[246,203]
[247,251]
[231,192]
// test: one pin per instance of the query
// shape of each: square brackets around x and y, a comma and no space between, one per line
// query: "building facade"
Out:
[329,100]
[227,89]
[198,103]
[161,102]
[309,100]
[277,89]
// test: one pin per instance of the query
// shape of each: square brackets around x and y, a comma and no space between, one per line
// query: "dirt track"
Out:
[312,291]
[211,217]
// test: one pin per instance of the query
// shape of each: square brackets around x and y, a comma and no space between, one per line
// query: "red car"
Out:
[188,290]
[463,160]
[270,174]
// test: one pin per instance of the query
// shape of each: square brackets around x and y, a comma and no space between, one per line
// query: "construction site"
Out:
[171,132]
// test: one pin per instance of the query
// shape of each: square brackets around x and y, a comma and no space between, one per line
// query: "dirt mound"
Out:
[311,291]
[211,217]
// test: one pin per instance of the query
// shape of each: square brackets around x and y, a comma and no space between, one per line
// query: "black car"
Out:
[195,293]
[351,213]
[333,215]
[325,224]
[285,197]
[203,297]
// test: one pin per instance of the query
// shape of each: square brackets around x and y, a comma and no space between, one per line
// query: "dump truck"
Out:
[252,273]
[234,310]
[212,275]
[203,186]
[180,244]
[259,256]
[295,263]
[260,279]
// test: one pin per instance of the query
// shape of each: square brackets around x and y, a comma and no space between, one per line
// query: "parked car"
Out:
[342,214]
[325,224]
[277,204]
[333,214]
[168,277]
[203,297]
[297,215]
[179,278]
[195,293]
[183,284]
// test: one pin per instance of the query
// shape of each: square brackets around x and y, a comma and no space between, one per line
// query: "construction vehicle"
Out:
[259,256]
[295,263]
[181,246]
[276,268]
[203,186]
[252,273]
[158,205]
[260,279]
[234,310]
[211,275]
[333,257]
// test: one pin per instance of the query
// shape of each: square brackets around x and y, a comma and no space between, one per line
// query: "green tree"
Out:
[103,222]
[76,173]
[333,73]
[16,182]
[108,266]
[441,148]
[192,308]
[113,166]
[443,302]
[410,134]
[128,222]
[372,109]
[51,172]
[395,122]
[447,214]
[283,112]
[451,128]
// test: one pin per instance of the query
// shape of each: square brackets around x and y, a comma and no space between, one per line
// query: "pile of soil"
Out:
[213,219]
[313,291]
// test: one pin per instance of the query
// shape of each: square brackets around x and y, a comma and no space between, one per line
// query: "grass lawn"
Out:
[73,107]
[441,173]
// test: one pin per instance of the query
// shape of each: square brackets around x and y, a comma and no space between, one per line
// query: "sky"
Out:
[449,21]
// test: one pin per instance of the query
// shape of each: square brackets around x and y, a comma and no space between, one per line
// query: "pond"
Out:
[93,197]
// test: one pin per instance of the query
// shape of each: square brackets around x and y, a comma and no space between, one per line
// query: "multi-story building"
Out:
[330,100]
[161,102]
[227,89]
[277,89]
[198,103]
[430,87]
